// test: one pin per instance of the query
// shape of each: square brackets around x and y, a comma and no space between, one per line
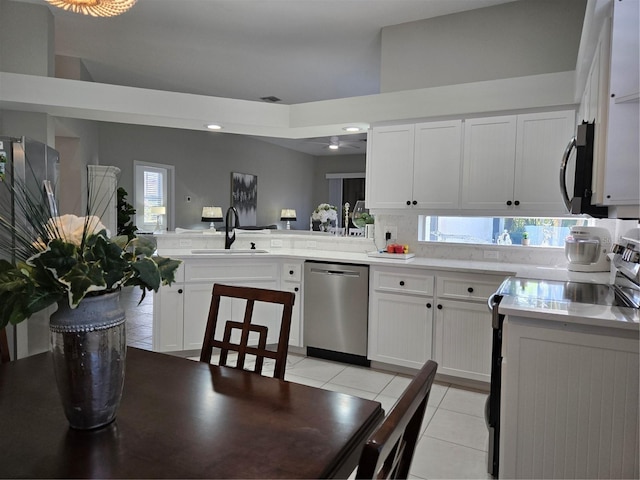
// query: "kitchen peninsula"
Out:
[439,304]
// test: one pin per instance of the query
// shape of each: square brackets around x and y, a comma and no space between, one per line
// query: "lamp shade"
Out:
[211,214]
[157,210]
[288,214]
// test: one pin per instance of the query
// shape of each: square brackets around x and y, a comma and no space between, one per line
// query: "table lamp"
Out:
[212,214]
[158,211]
[288,215]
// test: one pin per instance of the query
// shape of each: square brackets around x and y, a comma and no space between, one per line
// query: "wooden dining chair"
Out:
[4,347]
[389,451]
[251,295]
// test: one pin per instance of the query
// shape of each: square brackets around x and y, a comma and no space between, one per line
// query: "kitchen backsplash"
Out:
[407,227]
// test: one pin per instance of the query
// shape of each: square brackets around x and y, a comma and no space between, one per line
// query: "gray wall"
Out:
[333,164]
[527,37]
[203,164]
[26,39]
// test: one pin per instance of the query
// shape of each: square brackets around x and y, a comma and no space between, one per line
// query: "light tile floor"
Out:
[454,437]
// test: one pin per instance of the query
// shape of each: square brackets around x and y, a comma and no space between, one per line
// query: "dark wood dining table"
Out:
[182,419]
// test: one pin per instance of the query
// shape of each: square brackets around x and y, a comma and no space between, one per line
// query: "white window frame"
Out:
[139,167]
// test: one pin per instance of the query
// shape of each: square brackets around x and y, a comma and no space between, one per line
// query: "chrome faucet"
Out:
[228,240]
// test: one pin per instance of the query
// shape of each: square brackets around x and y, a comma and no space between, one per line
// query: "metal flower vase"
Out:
[89,351]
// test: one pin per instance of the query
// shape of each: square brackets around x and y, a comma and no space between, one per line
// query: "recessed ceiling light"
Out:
[214,126]
[351,129]
[334,147]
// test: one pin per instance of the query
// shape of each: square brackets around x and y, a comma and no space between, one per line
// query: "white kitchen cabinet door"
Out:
[390,167]
[437,164]
[168,304]
[197,300]
[463,338]
[400,329]
[540,142]
[489,163]
[196,312]
[295,334]
[622,171]
[569,401]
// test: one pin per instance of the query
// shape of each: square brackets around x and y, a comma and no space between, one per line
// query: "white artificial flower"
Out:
[325,213]
[73,229]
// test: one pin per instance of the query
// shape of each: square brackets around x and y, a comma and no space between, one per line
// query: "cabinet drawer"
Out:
[469,287]
[403,281]
[229,270]
[291,272]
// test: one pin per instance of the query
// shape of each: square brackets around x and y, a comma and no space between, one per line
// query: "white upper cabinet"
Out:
[511,163]
[389,166]
[540,142]
[489,153]
[414,166]
[490,166]
[436,164]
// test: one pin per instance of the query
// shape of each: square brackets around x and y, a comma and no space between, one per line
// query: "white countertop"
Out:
[566,311]
[569,303]
[469,266]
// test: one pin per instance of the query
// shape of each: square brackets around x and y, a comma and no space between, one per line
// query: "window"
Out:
[153,188]
[543,232]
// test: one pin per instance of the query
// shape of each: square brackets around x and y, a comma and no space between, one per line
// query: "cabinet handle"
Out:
[296,289]
[509,202]
[470,289]
[179,290]
[290,272]
[415,202]
[409,202]
[402,283]
[428,305]
[517,202]
[439,307]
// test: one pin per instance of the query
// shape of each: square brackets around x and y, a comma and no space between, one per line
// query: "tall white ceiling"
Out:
[297,50]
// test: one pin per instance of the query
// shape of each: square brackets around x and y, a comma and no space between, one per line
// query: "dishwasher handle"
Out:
[344,273]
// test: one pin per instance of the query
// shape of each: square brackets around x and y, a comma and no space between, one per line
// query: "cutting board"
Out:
[394,256]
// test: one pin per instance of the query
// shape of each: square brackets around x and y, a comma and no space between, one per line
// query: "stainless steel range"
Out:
[622,292]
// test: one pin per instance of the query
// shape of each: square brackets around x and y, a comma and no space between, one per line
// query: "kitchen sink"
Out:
[223,251]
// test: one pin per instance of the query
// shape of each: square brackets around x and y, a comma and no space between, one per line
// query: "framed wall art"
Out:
[244,197]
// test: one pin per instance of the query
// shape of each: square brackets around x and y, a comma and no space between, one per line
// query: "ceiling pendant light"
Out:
[95,8]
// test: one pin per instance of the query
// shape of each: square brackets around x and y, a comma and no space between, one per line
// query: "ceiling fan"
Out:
[334,142]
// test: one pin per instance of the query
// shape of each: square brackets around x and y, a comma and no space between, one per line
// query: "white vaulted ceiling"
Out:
[297,50]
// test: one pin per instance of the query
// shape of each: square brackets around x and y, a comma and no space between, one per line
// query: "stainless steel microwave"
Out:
[580,203]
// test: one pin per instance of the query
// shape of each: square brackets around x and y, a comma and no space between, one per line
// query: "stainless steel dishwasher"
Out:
[336,305]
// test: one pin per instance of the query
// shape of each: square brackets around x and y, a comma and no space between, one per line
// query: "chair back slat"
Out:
[389,451]
[251,295]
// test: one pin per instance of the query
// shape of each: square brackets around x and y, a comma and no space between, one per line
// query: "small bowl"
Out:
[582,251]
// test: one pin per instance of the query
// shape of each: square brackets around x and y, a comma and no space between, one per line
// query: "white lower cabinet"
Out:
[168,307]
[182,309]
[569,401]
[400,316]
[291,281]
[463,335]
[462,339]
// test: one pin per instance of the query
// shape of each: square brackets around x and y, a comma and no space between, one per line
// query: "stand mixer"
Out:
[586,249]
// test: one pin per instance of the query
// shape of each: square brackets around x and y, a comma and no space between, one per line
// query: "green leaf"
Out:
[82,279]
[121,241]
[59,257]
[143,246]
[167,268]
[109,256]
[147,273]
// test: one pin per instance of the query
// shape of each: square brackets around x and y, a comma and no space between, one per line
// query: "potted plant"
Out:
[525,238]
[125,215]
[73,262]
